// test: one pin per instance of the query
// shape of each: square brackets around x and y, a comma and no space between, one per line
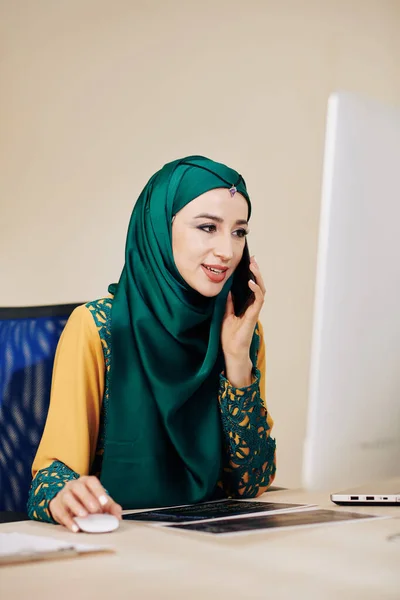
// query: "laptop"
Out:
[381,493]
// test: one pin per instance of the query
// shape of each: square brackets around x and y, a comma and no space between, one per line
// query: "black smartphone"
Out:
[242,295]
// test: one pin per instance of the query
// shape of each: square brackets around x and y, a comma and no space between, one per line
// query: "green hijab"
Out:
[163,430]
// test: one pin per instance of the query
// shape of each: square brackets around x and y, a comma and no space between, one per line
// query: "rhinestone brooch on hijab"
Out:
[233,190]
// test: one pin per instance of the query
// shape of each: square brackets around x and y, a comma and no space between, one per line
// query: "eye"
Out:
[241,233]
[208,228]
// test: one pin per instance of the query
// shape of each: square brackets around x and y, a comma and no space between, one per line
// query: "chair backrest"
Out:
[28,341]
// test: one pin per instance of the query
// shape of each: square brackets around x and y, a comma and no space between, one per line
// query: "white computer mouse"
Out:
[97,523]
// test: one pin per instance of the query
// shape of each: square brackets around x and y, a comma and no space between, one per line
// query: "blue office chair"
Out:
[28,341]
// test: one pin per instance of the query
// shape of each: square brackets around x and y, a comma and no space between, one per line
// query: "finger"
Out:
[52,508]
[256,288]
[74,506]
[115,509]
[259,297]
[107,503]
[85,496]
[252,312]
[256,270]
[95,487]
[61,515]
[229,308]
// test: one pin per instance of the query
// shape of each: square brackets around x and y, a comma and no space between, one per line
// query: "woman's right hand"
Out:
[79,498]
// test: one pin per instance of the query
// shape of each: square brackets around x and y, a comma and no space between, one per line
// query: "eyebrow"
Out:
[219,219]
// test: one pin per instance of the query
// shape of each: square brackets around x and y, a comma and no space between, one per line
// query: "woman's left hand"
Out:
[237,332]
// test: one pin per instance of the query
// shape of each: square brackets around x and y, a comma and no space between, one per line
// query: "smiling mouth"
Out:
[214,273]
[215,270]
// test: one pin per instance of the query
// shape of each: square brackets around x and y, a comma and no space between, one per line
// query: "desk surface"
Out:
[343,562]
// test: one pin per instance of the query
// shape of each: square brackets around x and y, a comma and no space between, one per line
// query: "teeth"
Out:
[214,270]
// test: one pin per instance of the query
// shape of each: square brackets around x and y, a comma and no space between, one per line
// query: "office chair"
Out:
[28,341]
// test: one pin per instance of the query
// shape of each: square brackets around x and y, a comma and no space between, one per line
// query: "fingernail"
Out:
[103,500]
[75,528]
[82,513]
[252,282]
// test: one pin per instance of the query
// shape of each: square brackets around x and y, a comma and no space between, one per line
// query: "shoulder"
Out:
[100,310]
[88,319]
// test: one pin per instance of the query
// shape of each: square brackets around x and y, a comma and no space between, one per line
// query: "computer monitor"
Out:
[353,430]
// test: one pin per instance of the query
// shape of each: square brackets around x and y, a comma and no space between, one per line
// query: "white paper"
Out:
[12,544]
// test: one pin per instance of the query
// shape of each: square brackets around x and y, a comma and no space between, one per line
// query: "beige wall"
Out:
[96,95]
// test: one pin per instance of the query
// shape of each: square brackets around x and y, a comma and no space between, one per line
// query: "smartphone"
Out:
[242,295]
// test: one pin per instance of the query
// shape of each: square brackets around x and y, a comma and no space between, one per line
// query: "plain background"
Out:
[96,95]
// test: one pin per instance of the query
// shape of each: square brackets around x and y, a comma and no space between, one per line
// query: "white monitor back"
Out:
[353,433]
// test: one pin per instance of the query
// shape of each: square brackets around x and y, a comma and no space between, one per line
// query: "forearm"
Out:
[239,371]
[249,461]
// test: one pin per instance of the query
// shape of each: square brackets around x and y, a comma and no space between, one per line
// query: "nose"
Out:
[224,249]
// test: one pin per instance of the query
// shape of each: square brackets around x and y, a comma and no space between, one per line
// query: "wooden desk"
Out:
[341,562]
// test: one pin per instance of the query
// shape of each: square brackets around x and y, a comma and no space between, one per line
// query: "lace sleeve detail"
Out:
[249,457]
[47,483]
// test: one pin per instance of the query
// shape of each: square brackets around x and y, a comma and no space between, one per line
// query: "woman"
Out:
[157,390]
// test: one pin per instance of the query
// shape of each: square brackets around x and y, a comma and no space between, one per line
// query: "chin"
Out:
[209,291]
[201,284]
[209,294]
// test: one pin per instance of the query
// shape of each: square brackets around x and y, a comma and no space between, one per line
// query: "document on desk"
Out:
[309,517]
[19,547]
[220,509]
